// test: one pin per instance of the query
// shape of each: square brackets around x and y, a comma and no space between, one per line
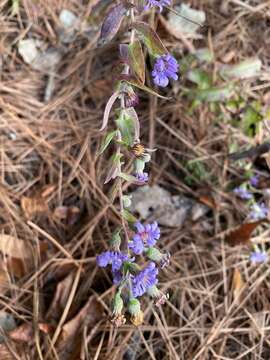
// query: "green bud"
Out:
[154,254]
[118,304]
[154,292]
[116,239]
[127,201]
[139,165]
[134,307]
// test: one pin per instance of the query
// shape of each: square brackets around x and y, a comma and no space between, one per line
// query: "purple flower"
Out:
[136,245]
[259,211]
[144,280]
[165,68]
[145,235]
[113,258]
[117,276]
[142,177]
[258,257]
[104,259]
[158,3]
[254,180]
[243,193]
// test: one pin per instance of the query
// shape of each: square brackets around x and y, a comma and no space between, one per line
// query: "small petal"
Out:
[104,259]
[258,257]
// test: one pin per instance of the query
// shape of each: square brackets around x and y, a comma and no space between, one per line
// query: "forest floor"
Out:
[56,213]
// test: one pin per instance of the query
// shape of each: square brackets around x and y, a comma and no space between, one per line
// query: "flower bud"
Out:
[118,318]
[127,201]
[118,304]
[154,254]
[116,240]
[134,306]
[139,165]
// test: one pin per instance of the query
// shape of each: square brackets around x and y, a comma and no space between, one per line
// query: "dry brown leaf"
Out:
[208,201]
[242,234]
[60,298]
[45,328]
[4,279]
[68,213]
[19,254]
[37,204]
[23,333]
[69,344]
[33,206]
[237,284]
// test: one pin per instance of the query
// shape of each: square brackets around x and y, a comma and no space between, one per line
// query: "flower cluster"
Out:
[165,68]
[130,277]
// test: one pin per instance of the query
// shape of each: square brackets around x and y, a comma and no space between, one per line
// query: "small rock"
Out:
[7,323]
[70,23]
[168,210]
[45,61]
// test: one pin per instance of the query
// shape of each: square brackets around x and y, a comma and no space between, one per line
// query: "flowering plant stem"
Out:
[135,260]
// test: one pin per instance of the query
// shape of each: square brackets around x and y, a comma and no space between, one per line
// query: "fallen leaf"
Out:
[19,254]
[242,234]
[237,284]
[45,328]
[23,333]
[4,279]
[60,298]
[33,206]
[68,213]
[208,201]
[70,342]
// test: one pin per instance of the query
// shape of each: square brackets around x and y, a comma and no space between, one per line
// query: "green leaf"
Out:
[251,118]
[214,94]
[150,39]
[199,77]
[126,125]
[127,177]
[136,60]
[139,85]
[106,142]
[244,70]
[129,217]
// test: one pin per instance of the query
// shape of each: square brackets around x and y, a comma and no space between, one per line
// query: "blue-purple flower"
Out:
[254,180]
[158,3]
[114,258]
[144,280]
[257,257]
[165,68]
[146,235]
[142,177]
[243,193]
[259,211]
